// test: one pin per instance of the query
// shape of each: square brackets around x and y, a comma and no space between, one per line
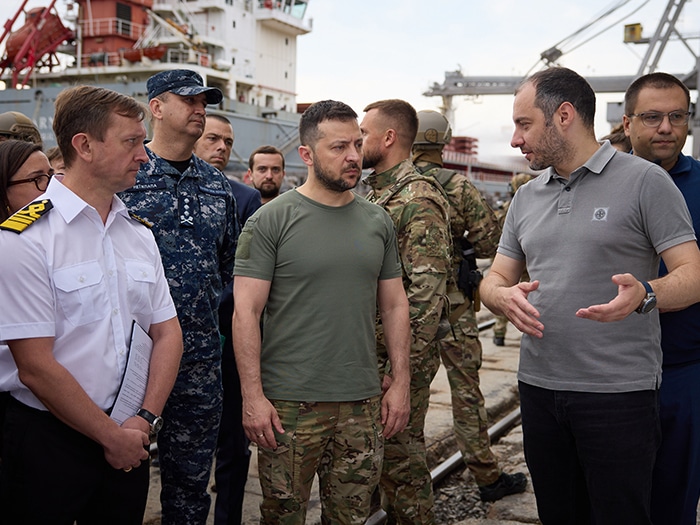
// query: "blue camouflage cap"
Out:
[181,82]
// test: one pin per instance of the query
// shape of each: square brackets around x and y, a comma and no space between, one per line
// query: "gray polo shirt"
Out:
[615,214]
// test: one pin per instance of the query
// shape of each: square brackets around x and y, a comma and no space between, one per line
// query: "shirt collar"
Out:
[161,166]
[595,164]
[681,167]
[69,205]
[380,181]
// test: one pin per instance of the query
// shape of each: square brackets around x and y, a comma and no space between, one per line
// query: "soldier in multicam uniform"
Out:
[501,326]
[419,210]
[475,233]
[192,208]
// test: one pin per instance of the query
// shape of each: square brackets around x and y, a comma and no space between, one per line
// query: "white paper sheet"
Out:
[133,388]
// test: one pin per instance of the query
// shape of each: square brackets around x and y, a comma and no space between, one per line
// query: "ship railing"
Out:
[111,26]
[458,157]
[296,8]
[101,59]
[188,56]
[173,56]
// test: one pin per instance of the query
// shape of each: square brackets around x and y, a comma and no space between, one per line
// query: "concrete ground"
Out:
[499,387]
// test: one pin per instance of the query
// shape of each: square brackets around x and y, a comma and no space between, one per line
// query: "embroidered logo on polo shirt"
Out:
[600,214]
[27,216]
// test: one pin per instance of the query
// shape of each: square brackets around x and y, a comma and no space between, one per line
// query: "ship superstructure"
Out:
[246,48]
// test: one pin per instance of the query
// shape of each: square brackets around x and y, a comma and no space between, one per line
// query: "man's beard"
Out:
[370,159]
[339,185]
[269,191]
[551,150]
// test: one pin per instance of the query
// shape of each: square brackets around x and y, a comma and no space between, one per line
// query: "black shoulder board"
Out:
[27,216]
[140,219]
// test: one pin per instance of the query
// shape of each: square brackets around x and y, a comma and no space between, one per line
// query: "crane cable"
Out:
[606,13]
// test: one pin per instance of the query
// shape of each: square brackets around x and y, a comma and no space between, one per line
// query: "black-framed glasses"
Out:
[653,119]
[41,181]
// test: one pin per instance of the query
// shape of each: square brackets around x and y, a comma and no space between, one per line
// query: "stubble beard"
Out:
[370,160]
[552,150]
[338,185]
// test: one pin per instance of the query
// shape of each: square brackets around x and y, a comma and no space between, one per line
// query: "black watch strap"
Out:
[154,421]
[649,301]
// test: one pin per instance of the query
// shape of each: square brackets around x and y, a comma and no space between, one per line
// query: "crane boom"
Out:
[457,84]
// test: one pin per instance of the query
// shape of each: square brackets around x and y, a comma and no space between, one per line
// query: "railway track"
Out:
[454,462]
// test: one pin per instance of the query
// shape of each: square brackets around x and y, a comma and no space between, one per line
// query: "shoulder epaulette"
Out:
[140,219]
[27,216]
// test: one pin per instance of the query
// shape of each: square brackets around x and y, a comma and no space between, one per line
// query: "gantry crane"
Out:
[457,84]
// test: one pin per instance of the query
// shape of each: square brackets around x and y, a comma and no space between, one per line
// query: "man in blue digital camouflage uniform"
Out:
[232,446]
[192,208]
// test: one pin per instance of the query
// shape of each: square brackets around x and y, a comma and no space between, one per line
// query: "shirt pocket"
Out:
[141,277]
[80,294]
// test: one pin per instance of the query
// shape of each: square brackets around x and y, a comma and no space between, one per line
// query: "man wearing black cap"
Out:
[192,209]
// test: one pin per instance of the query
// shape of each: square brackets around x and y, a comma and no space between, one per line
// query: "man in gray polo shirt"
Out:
[590,230]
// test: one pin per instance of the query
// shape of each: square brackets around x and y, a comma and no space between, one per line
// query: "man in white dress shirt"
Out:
[78,271]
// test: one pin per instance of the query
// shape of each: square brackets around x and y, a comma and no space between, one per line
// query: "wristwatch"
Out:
[156,422]
[649,302]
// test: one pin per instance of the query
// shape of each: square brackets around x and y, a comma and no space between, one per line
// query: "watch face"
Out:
[157,424]
[648,305]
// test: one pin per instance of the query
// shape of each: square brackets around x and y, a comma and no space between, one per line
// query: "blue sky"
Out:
[365,50]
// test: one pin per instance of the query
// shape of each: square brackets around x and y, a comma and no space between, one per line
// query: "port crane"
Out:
[458,84]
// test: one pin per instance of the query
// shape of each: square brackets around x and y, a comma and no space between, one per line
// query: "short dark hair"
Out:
[88,109]
[557,85]
[265,150]
[13,153]
[401,116]
[320,112]
[652,80]
[220,118]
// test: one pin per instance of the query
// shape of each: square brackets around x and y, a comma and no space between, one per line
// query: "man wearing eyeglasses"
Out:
[656,121]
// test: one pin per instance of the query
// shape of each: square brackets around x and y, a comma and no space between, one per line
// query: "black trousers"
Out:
[232,452]
[590,455]
[54,475]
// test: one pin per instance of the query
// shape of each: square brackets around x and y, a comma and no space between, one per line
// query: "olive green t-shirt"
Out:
[324,264]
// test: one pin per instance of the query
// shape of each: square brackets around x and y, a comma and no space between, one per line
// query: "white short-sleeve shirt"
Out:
[83,282]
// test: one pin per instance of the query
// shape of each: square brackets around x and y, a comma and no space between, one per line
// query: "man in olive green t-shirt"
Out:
[318,260]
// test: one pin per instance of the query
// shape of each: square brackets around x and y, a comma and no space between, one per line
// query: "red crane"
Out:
[34,44]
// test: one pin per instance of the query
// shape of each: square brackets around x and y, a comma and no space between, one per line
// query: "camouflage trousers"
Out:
[406,488]
[342,442]
[461,356]
[499,329]
[187,441]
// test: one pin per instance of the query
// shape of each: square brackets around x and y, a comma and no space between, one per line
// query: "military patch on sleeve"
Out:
[243,248]
[140,219]
[27,216]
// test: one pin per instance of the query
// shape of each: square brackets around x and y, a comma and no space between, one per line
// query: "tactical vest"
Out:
[443,177]
[445,324]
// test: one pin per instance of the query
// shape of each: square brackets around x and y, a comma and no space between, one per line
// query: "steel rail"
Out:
[495,431]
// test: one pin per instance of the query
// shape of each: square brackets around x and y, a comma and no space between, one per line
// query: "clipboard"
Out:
[133,388]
